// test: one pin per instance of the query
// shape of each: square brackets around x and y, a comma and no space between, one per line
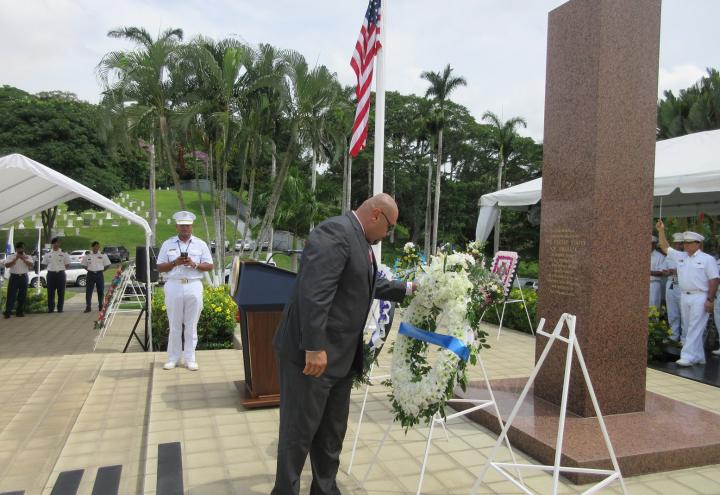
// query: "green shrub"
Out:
[217,320]
[658,331]
[528,269]
[34,303]
[515,316]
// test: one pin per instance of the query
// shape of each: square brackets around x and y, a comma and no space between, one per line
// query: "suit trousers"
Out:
[16,293]
[94,279]
[56,283]
[313,419]
[656,293]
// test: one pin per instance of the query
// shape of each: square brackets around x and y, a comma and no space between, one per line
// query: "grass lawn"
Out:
[124,235]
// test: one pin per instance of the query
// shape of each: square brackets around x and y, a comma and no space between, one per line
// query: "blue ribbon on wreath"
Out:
[452,344]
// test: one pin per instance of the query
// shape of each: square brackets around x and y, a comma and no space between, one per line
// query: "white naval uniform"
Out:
[183,295]
[694,273]
[672,300]
[657,260]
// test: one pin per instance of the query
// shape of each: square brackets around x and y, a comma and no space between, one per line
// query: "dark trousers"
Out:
[313,419]
[94,279]
[56,283]
[17,292]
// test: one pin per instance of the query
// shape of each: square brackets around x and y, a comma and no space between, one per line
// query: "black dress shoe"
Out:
[87,310]
[60,310]
[51,310]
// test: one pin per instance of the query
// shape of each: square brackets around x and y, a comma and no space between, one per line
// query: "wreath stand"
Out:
[507,301]
[439,419]
[572,348]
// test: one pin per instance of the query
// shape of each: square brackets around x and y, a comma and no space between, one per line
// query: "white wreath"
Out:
[444,286]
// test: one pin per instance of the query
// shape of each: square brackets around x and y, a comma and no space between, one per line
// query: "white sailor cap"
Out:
[184,217]
[692,237]
[654,238]
[678,237]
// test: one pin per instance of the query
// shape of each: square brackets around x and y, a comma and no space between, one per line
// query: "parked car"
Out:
[77,255]
[116,254]
[75,275]
[528,283]
[212,245]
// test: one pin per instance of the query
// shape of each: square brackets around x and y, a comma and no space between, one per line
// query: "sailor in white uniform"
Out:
[184,258]
[698,277]
[672,292]
[657,260]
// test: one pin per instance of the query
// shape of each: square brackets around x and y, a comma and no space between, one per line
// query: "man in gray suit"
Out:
[319,342]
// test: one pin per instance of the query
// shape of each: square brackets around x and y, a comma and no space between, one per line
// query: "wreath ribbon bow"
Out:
[448,342]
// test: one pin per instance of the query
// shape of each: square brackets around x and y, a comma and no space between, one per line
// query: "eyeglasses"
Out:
[391,226]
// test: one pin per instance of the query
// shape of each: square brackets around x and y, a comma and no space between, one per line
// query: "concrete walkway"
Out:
[64,408]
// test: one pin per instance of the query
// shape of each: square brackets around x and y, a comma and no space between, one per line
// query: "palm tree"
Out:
[441,85]
[503,137]
[214,75]
[142,78]
[311,94]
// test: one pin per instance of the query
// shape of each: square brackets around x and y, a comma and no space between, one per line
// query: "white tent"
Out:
[28,187]
[687,182]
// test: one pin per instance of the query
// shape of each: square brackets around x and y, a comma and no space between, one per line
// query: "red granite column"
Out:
[599,153]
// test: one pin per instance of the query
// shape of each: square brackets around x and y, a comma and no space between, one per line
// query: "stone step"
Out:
[111,429]
[36,434]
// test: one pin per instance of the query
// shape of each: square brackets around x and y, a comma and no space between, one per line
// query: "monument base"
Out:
[668,435]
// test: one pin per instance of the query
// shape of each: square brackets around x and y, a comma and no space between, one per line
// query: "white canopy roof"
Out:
[687,182]
[27,187]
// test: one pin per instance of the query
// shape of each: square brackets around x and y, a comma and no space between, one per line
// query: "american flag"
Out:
[362,62]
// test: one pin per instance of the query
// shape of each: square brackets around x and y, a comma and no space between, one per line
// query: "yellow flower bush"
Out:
[216,325]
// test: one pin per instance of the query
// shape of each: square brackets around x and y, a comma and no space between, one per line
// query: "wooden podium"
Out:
[261,292]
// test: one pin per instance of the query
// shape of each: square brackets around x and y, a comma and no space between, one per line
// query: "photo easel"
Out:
[505,265]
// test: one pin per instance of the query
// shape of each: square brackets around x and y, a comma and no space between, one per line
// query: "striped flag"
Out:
[362,62]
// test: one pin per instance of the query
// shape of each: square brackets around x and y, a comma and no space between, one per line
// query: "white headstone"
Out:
[93,216]
[142,203]
[108,216]
[64,216]
[147,214]
[168,221]
[69,224]
[129,222]
[21,225]
[77,231]
[100,222]
[159,214]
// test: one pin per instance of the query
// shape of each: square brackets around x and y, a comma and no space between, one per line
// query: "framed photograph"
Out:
[504,265]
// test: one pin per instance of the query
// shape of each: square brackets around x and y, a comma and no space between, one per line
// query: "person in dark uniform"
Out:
[319,344]
[17,265]
[57,262]
[95,263]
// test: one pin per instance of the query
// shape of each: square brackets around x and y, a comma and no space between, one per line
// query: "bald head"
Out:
[378,216]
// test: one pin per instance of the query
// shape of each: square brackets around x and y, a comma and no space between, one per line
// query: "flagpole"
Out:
[379,156]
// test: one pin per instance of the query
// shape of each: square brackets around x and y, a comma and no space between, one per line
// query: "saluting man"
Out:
[57,262]
[18,265]
[672,292]
[95,263]
[183,257]
[698,277]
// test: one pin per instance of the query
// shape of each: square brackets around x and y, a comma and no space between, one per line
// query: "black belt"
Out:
[18,274]
[94,271]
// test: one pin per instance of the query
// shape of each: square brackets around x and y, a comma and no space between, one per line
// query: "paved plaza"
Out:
[66,409]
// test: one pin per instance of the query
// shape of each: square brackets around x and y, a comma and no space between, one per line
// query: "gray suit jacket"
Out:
[333,292]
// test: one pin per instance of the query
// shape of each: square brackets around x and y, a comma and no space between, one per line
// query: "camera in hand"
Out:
[184,255]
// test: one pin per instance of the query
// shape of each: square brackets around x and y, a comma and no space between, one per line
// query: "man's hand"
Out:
[659,225]
[709,307]
[315,363]
[414,288]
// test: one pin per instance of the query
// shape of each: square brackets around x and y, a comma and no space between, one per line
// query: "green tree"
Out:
[441,85]
[503,140]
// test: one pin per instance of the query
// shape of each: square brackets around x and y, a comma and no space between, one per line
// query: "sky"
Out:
[498,46]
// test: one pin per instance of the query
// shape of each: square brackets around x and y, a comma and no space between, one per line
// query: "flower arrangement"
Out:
[117,278]
[452,292]
[215,327]
[658,332]
[407,264]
